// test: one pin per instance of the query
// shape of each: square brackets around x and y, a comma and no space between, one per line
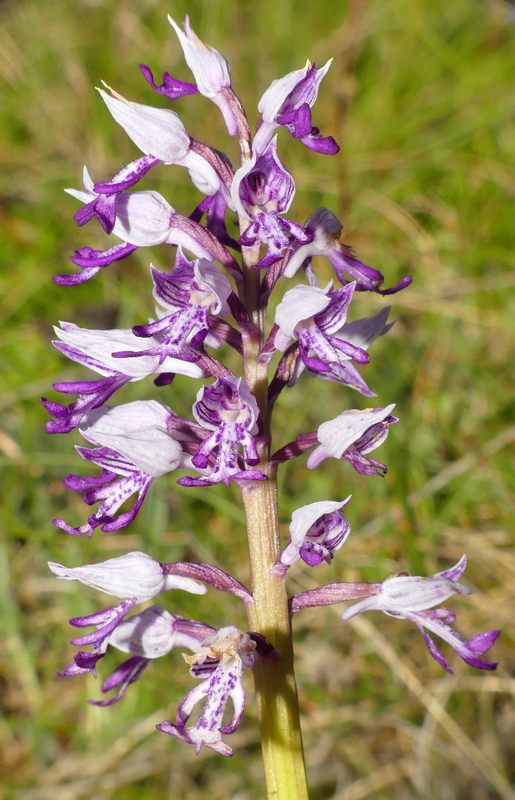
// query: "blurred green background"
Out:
[420,96]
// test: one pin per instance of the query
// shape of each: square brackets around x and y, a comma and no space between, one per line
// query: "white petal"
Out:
[299,304]
[338,434]
[126,418]
[209,67]
[156,131]
[148,634]
[304,517]
[132,575]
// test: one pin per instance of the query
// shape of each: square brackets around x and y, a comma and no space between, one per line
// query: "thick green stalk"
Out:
[275,679]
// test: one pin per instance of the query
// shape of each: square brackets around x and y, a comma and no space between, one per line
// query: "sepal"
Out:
[134,575]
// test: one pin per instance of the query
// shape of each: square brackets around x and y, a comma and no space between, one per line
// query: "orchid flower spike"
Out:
[213,297]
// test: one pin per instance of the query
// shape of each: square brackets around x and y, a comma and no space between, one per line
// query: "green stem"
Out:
[275,680]
[276,689]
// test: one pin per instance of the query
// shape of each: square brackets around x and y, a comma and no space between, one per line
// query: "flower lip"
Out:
[229,400]
[221,660]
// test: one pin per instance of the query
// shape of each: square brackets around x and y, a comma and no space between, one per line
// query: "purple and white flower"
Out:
[352,435]
[316,317]
[288,102]
[188,295]
[262,190]
[317,531]
[136,447]
[325,229]
[151,634]
[221,660]
[227,408]
[414,598]
[360,333]
[94,349]
[135,577]
[141,219]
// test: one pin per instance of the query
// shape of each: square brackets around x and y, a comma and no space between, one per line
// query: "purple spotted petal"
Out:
[226,653]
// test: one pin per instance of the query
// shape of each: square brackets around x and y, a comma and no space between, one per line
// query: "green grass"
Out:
[420,96]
